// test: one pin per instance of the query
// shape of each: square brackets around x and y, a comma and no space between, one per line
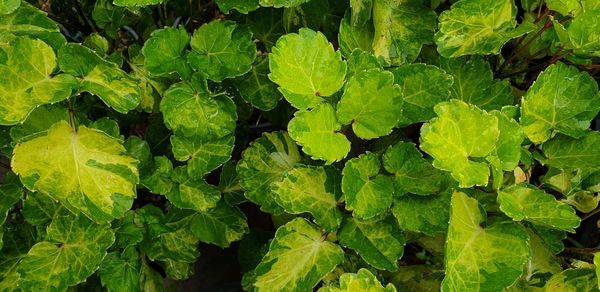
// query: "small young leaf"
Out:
[192,192]
[121,271]
[202,155]
[428,215]
[367,193]
[317,132]
[164,52]
[221,225]
[256,88]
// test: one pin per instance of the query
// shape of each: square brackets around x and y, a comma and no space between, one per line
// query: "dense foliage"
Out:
[338,145]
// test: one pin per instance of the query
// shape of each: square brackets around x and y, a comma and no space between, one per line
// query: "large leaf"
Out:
[362,281]
[190,110]
[71,251]
[32,22]
[402,27]
[478,27]
[306,68]
[221,49]
[351,38]
[562,100]
[372,103]
[8,6]
[567,152]
[317,131]
[164,52]
[478,258]
[202,155]
[86,170]
[367,193]
[573,280]
[427,215]
[378,241]
[571,7]
[474,83]
[256,88]
[423,86]
[298,258]
[314,190]
[100,77]
[527,203]
[582,33]
[221,225]
[413,173]
[266,161]
[26,80]
[459,134]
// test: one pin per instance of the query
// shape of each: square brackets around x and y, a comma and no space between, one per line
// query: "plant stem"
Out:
[522,48]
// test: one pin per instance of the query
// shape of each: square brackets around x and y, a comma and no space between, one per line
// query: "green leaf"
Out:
[298,258]
[39,209]
[71,251]
[29,21]
[583,33]
[481,259]
[562,100]
[474,83]
[401,29]
[423,86]
[459,135]
[74,168]
[121,271]
[367,193]
[351,38]
[571,7]
[372,103]
[192,192]
[129,230]
[521,202]
[17,242]
[314,190]
[221,49]
[478,27]
[306,68]
[508,148]
[26,80]
[428,215]
[597,264]
[221,225]
[566,152]
[191,110]
[362,281]
[256,88]
[164,52]
[573,280]
[378,241]
[136,3]
[242,6]
[175,241]
[281,3]
[413,173]
[100,77]
[361,11]
[359,61]
[9,6]
[202,155]
[11,192]
[264,162]
[158,179]
[542,260]
[317,131]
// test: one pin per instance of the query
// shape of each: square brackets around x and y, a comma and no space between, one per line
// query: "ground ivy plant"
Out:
[330,145]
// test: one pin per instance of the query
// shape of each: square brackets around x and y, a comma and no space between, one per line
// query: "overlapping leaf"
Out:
[221,225]
[427,215]
[362,281]
[164,52]
[314,190]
